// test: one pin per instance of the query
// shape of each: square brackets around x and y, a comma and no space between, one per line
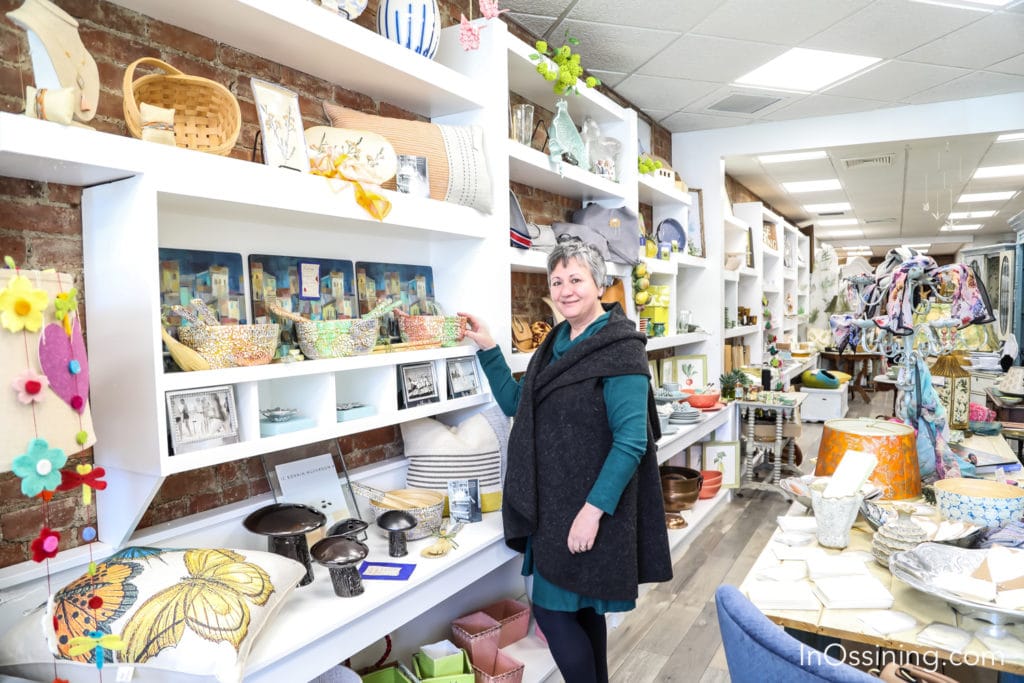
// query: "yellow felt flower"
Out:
[21,305]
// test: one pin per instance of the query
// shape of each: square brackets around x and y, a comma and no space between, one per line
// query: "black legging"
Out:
[578,641]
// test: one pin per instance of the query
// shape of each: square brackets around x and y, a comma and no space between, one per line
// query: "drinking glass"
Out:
[522,124]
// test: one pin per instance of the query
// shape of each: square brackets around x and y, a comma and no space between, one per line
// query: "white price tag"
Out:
[124,674]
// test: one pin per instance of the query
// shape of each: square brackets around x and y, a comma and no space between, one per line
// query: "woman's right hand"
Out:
[478,333]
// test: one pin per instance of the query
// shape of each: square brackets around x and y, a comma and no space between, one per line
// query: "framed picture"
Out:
[418,384]
[724,456]
[691,372]
[284,143]
[652,368]
[201,418]
[462,377]
[695,224]
[771,238]
[750,247]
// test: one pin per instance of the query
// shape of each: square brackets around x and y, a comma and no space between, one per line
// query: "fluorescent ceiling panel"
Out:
[1000,171]
[960,228]
[829,222]
[827,208]
[982,5]
[793,156]
[837,234]
[986,197]
[923,245]
[961,215]
[1010,137]
[812,185]
[803,70]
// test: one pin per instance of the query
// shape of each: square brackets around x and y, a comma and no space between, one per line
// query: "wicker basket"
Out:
[502,669]
[477,633]
[229,346]
[514,618]
[206,114]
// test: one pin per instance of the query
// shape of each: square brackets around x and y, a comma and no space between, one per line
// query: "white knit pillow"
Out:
[438,453]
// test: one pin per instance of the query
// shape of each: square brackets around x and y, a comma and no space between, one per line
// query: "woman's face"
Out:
[576,295]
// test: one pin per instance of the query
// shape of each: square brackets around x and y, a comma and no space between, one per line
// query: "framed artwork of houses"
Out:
[691,372]
[216,277]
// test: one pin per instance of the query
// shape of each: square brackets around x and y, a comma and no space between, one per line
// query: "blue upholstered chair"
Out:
[758,650]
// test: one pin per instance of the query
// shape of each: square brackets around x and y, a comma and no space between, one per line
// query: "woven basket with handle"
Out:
[206,114]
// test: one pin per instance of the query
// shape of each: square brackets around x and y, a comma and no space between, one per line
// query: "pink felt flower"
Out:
[45,545]
[469,34]
[489,8]
[29,384]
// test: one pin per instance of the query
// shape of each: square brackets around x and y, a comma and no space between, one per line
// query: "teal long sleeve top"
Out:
[625,400]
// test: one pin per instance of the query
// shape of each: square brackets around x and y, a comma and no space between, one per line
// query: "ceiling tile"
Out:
[534,23]
[888,28]
[614,47]
[681,122]
[1004,154]
[710,59]
[1014,65]
[896,80]
[701,106]
[975,84]
[773,22]
[666,15]
[821,105]
[649,92]
[608,78]
[994,38]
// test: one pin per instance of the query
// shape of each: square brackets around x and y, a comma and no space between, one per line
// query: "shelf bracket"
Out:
[121,506]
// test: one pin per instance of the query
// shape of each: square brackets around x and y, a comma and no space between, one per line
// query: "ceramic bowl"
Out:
[980,501]
[706,400]
[712,483]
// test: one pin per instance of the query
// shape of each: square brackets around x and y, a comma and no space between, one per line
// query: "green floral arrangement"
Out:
[568,69]
[647,165]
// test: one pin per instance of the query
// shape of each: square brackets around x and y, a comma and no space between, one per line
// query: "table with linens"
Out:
[845,624]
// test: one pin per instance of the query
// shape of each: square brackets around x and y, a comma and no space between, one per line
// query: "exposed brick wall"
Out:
[40,227]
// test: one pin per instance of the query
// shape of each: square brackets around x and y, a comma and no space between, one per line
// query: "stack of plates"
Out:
[684,414]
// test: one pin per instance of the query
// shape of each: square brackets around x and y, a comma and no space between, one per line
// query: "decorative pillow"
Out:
[49,104]
[370,157]
[437,453]
[456,165]
[157,124]
[180,613]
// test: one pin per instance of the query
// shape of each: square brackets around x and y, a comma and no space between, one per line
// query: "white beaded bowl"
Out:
[980,501]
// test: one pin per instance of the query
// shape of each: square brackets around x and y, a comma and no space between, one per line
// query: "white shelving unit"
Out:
[139,197]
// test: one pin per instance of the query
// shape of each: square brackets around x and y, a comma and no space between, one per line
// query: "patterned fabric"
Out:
[469,183]
[437,453]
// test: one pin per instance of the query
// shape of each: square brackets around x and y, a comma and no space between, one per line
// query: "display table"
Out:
[783,442]
[886,383]
[846,624]
[860,366]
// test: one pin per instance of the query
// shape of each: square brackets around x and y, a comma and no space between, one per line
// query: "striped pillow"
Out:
[437,453]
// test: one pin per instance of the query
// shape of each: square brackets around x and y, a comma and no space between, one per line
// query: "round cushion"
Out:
[819,379]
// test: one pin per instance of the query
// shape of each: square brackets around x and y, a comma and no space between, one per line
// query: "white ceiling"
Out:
[673,60]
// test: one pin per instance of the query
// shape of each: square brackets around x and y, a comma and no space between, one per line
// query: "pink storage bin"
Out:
[477,633]
[514,618]
[502,669]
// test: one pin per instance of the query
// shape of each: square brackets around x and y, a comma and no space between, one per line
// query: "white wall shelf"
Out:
[654,192]
[742,331]
[531,167]
[673,340]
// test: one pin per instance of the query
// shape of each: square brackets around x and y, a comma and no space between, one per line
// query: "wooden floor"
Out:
[673,634]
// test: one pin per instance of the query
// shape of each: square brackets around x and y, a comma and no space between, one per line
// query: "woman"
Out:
[582,498]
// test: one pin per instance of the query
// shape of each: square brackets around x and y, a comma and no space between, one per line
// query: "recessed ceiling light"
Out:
[827,222]
[1010,137]
[837,234]
[803,70]
[960,228]
[1000,171]
[986,197]
[827,208]
[812,185]
[793,156]
[961,215]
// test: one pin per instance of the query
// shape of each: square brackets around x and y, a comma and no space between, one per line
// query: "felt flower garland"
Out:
[21,305]
[39,467]
[469,33]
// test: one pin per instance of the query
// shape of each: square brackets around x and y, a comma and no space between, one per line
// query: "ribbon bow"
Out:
[86,476]
[97,640]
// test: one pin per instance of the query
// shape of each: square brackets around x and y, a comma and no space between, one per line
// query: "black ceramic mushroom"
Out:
[352,528]
[396,523]
[285,525]
[340,554]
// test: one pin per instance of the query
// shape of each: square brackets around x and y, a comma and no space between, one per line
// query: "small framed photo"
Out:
[462,377]
[724,456]
[652,370]
[412,175]
[690,372]
[464,500]
[201,418]
[284,142]
[418,384]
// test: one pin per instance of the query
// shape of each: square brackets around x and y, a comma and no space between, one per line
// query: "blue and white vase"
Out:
[414,24]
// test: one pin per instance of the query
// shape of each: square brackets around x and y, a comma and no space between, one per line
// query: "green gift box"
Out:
[392,674]
[454,668]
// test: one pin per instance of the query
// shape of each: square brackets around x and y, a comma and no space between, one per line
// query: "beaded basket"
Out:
[420,329]
[229,346]
[336,338]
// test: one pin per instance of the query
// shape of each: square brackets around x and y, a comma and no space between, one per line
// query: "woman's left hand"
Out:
[584,528]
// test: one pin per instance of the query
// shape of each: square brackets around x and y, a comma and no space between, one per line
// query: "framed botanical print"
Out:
[284,142]
[690,372]
[695,224]
[724,456]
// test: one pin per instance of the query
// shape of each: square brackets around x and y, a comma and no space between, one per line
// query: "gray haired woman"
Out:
[582,498]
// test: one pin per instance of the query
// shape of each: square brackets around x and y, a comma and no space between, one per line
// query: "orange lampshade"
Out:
[894,444]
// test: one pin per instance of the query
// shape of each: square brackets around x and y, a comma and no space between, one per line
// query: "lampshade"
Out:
[893,443]
[953,385]
[49,353]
